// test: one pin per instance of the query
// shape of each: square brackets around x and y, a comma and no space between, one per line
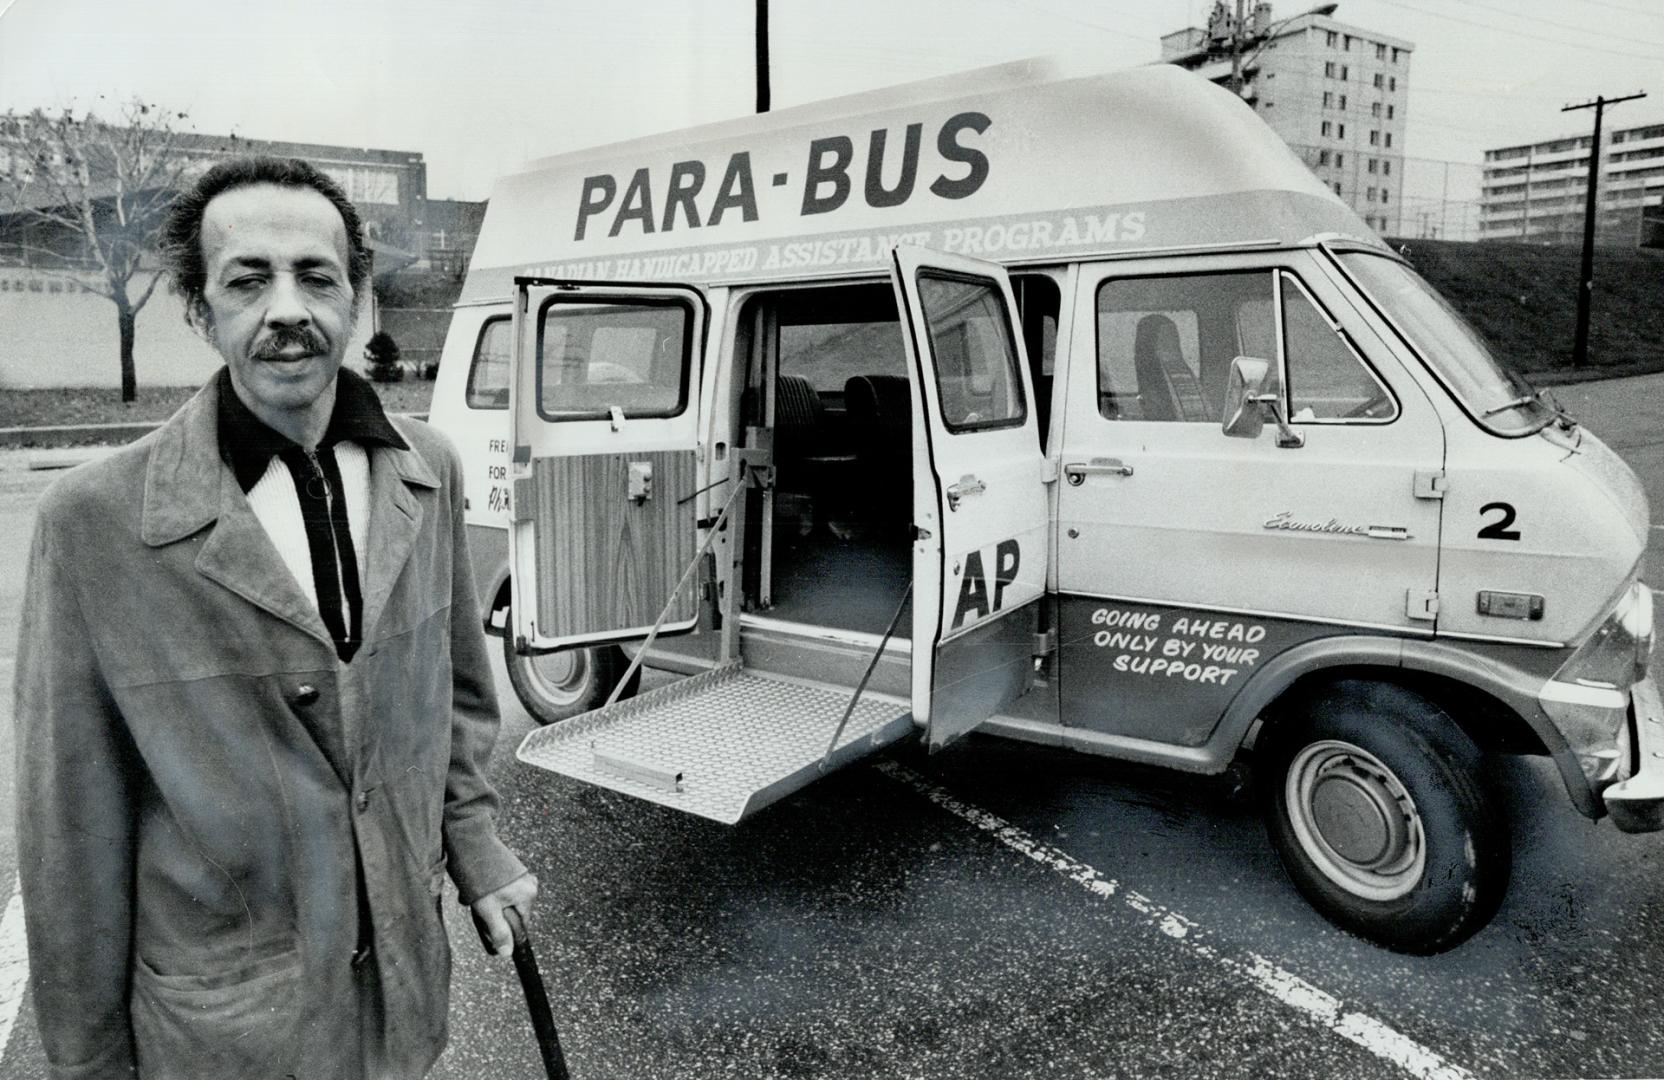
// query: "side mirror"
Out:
[1244,418]
[1247,403]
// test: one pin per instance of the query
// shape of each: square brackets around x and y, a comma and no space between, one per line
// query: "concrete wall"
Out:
[69,338]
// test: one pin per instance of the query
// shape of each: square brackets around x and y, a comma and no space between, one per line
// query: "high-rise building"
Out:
[1539,191]
[1336,93]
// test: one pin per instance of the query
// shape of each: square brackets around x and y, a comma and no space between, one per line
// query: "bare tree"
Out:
[88,198]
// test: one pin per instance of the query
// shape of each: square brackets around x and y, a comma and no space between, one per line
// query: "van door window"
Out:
[488,373]
[594,358]
[976,366]
[1165,344]
[1327,380]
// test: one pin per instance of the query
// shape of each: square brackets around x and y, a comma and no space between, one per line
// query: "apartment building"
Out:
[1538,191]
[1335,92]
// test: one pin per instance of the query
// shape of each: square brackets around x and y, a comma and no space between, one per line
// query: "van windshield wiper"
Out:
[1519,402]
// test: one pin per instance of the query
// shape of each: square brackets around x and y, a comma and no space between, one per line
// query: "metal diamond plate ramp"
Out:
[722,745]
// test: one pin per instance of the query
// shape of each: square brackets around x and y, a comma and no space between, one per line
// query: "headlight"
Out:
[1617,653]
[1588,698]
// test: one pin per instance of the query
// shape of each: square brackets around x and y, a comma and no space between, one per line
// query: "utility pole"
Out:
[1444,202]
[762,56]
[1236,50]
[1242,36]
[1586,276]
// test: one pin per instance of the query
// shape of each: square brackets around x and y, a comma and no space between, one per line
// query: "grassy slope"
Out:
[1523,298]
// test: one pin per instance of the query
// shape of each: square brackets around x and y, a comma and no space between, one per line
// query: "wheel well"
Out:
[499,604]
[1489,722]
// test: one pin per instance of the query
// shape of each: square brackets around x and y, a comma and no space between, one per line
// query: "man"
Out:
[254,700]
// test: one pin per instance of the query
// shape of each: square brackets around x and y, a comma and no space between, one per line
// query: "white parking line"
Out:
[14,967]
[1378,1038]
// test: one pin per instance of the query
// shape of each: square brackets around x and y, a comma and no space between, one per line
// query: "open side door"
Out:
[604,437]
[604,428]
[979,492]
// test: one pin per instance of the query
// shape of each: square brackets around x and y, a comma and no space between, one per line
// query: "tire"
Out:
[1374,799]
[560,685]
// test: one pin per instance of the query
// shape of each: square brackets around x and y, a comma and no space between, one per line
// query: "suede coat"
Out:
[207,795]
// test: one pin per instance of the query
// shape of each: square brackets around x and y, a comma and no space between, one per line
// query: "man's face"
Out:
[279,305]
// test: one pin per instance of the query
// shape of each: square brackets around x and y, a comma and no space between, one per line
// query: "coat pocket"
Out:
[239,1023]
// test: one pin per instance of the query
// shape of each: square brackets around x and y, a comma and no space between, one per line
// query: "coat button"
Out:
[362,801]
[306,694]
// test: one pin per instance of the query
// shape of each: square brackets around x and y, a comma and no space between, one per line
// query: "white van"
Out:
[1062,406]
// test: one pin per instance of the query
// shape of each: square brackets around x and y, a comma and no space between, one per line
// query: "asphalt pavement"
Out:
[1013,911]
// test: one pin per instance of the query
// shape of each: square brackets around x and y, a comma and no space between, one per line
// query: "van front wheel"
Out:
[560,685]
[1373,797]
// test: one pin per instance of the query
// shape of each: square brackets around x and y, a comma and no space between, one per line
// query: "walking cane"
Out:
[537,997]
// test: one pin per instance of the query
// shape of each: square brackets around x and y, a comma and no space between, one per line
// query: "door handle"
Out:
[1077,471]
[967,485]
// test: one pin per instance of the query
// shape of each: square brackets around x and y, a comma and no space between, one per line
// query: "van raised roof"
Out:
[1029,162]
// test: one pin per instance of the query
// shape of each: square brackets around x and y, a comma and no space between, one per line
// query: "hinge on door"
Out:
[1431,484]
[524,500]
[1422,604]
[1048,471]
[1045,643]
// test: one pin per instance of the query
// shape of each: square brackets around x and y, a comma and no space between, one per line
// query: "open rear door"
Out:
[604,431]
[979,492]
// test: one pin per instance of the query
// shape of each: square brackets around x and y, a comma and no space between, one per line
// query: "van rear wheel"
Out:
[560,685]
[1374,799]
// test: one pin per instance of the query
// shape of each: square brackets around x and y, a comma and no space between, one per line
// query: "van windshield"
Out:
[1499,399]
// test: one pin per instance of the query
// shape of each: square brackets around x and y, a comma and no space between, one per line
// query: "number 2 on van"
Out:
[1112,488]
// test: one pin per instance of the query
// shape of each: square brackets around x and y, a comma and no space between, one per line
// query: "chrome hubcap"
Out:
[1355,820]
[560,677]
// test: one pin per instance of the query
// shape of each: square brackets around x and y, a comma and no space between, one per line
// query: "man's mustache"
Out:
[287,338]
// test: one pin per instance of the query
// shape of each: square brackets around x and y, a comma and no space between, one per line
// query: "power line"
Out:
[1619,7]
[1141,38]
[1508,95]
[1519,33]
[1564,26]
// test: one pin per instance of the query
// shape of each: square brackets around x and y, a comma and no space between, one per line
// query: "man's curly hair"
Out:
[182,236]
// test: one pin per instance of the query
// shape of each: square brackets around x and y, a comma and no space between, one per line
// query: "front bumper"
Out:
[1637,804]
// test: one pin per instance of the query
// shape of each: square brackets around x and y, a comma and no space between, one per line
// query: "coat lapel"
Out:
[395,522]
[188,487]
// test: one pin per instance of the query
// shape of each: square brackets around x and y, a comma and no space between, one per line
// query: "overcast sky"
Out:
[480,85]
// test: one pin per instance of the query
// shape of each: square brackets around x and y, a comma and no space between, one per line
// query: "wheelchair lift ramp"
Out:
[722,744]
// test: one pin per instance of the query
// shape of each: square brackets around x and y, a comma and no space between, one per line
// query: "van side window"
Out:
[595,357]
[976,367]
[1165,344]
[1327,379]
[489,372]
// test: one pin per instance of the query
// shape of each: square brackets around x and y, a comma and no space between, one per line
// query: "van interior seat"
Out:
[807,458]
[799,417]
[1167,388]
[880,413]
[881,423]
